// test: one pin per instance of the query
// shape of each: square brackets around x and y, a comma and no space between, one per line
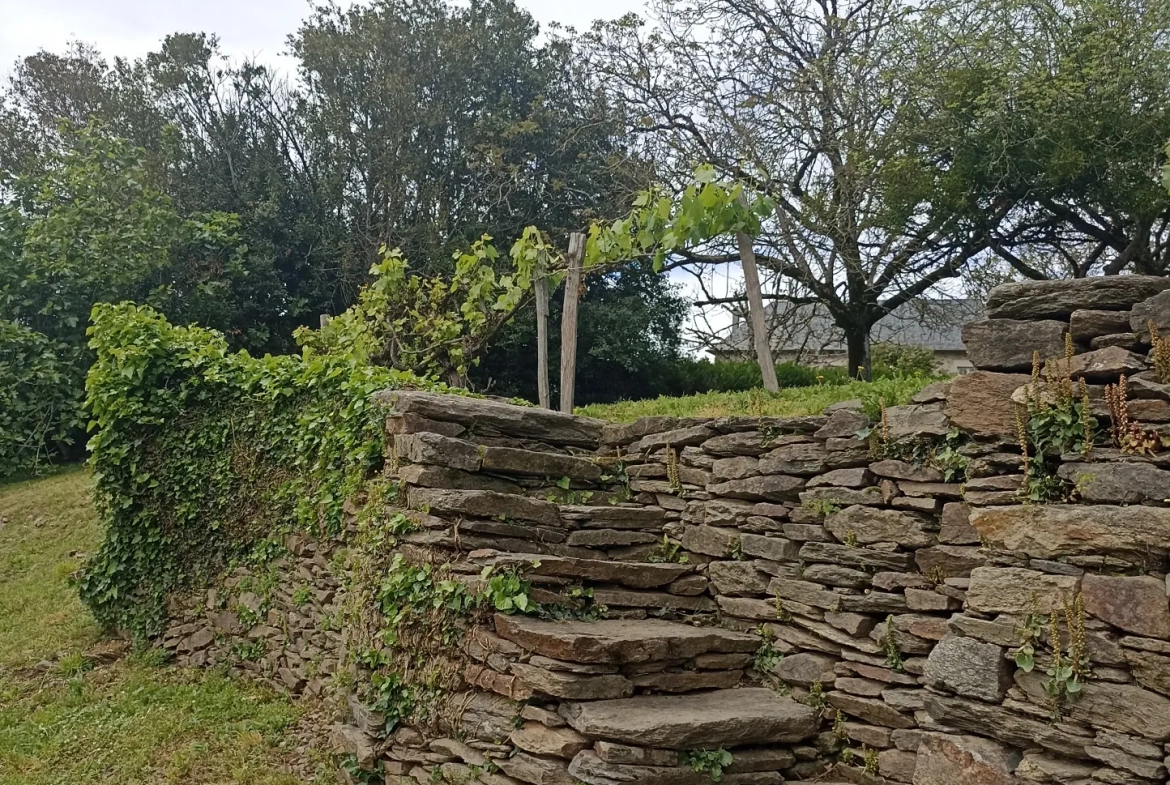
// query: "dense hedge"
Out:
[40,400]
[202,456]
[689,376]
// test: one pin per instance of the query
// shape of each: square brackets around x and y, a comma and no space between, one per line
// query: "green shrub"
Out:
[40,401]
[690,376]
[894,359]
[200,455]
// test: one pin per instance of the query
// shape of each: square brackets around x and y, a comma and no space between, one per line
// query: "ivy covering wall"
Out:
[203,456]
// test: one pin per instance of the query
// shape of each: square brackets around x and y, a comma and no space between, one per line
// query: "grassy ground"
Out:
[791,401]
[76,709]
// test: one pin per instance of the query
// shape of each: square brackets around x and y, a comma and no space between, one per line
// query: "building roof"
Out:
[930,323]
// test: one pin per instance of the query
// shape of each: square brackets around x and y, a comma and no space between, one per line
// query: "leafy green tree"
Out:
[93,229]
[804,103]
[40,401]
[1060,111]
[435,124]
[419,125]
[95,232]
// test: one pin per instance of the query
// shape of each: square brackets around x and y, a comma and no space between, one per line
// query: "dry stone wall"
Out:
[824,598]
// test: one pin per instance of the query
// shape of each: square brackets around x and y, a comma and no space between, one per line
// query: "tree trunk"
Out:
[857,344]
[542,338]
[760,338]
[569,320]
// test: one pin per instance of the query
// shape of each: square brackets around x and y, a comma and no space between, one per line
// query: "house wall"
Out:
[950,362]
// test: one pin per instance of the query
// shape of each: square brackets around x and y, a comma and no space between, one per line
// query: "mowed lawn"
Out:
[79,710]
[789,402]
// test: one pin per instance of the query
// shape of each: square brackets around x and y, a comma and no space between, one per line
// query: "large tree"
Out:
[440,123]
[411,123]
[806,102]
[1060,108]
[212,137]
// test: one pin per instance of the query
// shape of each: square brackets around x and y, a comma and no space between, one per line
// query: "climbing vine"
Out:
[201,455]
[438,326]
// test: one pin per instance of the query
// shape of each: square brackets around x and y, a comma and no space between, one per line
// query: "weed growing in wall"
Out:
[767,656]
[1055,418]
[891,648]
[941,453]
[711,762]
[1069,665]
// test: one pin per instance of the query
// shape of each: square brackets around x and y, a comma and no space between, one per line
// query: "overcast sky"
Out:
[131,28]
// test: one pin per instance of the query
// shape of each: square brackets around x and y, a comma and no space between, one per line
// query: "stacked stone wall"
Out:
[828,598]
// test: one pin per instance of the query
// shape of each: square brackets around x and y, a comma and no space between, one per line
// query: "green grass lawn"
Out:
[791,401]
[75,709]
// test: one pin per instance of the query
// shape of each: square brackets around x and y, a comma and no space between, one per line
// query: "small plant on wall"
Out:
[1055,418]
[1069,666]
[711,762]
[1127,435]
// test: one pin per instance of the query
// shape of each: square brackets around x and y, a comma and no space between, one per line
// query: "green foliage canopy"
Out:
[40,397]
[1060,112]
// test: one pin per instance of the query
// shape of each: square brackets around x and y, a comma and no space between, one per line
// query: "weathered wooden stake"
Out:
[569,319]
[542,338]
[751,277]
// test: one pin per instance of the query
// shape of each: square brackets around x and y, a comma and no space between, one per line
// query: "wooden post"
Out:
[569,319]
[325,319]
[751,277]
[542,338]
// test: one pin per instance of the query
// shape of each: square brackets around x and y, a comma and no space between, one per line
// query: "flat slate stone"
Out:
[1106,365]
[1122,707]
[1118,482]
[479,414]
[636,575]
[1058,299]
[1008,344]
[1156,309]
[1135,604]
[613,516]
[867,525]
[1086,325]
[590,769]
[969,668]
[1019,591]
[774,488]
[434,448]
[944,760]
[831,553]
[626,432]
[484,504]
[1049,531]
[709,720]
[1006,726]
[916,420]
[620,641]
[980,403]
[571,685]
[510,460]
